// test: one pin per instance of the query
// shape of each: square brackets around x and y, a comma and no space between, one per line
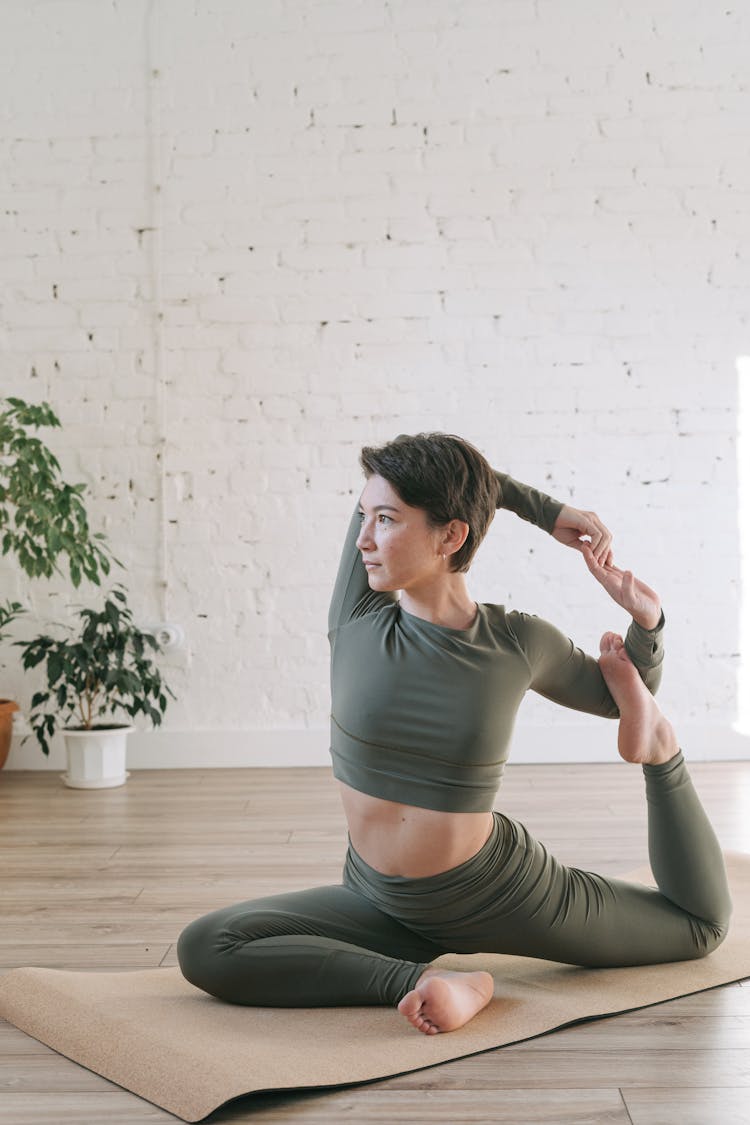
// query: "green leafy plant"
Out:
[41,516]
[9,612]
[106,668]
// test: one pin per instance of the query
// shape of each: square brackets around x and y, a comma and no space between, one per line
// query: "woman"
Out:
[425,690]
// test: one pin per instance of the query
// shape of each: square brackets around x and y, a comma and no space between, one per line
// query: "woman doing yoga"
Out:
[425,690]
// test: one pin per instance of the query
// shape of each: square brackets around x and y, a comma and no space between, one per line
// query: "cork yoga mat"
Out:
[154,1034]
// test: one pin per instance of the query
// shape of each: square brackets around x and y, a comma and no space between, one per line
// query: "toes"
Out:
[410,1005]
[610,642]
[424,1025]
[605,644]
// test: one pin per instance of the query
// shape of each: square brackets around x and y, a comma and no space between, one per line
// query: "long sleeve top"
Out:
[422,713]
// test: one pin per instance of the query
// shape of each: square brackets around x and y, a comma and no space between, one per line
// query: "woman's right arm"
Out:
[351,592]
[352,595]
[526,502]
[570,526]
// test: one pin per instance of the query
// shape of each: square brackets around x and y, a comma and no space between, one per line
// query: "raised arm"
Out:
[352,595]
[572,527]
[526,502]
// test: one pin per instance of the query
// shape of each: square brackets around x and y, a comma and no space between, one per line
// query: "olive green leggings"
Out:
[368,940]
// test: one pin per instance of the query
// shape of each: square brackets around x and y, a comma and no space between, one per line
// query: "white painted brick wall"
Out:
[258,236]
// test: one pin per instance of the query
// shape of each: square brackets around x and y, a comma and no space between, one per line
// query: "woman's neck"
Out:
[444,603]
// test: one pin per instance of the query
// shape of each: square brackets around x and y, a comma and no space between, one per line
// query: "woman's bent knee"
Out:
[212,953]
[708,936]
[197,955]
[188,952]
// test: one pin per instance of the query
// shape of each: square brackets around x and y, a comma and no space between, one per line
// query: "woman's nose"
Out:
[364,537]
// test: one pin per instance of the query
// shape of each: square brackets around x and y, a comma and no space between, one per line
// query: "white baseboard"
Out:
[590,742]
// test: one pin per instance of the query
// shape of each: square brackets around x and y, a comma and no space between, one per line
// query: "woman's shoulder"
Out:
[501,616]
[502,620]
[524,628]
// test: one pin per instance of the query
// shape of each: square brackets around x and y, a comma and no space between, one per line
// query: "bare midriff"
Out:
[409,841]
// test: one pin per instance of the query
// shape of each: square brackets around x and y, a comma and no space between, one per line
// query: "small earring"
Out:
[443,558]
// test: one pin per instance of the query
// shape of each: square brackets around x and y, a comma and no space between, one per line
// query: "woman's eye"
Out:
[383,518]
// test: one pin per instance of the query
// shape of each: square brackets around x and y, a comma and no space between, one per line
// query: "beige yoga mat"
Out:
[153,1033]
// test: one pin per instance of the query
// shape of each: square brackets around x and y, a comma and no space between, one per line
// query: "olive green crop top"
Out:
[423,714]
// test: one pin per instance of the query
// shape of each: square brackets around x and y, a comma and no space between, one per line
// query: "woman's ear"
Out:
[455,535]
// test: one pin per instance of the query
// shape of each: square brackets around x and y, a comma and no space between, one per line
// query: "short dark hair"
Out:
[445,476]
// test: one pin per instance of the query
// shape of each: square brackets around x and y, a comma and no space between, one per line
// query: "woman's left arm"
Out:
[643,641]
[567,675]
[639,600]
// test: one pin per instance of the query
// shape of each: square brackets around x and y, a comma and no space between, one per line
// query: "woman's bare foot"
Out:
[644,736]
[443,1000]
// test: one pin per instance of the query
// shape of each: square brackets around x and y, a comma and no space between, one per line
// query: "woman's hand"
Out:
[578,529]
[640,601]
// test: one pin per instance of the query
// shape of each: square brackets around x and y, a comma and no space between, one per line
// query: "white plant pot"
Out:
[96,758]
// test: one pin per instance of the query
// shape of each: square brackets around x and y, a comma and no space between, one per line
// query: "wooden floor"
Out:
[107,879]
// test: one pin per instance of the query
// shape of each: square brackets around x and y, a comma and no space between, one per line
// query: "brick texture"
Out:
[240,240]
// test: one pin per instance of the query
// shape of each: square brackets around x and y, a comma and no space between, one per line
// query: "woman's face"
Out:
[398,547]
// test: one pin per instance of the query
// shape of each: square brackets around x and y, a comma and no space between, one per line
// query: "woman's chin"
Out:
[378,580]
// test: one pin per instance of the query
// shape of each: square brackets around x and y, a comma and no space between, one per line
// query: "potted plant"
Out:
[104,669]
[41,518]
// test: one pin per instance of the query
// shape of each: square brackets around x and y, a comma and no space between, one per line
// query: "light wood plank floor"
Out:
[107,880]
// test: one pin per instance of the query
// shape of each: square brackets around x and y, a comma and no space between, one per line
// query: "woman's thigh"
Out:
[582,918]
[514,897]
[331,911]
[327,945]
[542,908]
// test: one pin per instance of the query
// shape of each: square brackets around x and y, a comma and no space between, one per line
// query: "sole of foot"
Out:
[444,1001]
[644,735]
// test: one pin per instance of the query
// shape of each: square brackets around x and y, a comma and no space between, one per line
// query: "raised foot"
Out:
[443,1000]
[644,735]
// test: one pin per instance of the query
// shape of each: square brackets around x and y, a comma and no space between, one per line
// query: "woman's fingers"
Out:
[600,536]
[600,569]
[577,528]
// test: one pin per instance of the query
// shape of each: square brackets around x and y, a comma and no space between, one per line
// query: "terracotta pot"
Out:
[7,707]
